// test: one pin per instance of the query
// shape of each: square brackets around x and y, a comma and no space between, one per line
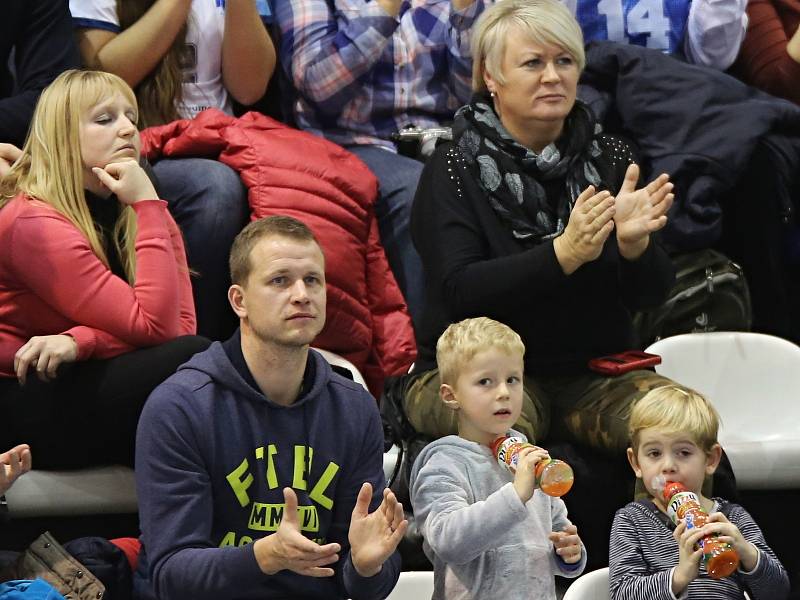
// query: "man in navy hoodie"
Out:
[259,471]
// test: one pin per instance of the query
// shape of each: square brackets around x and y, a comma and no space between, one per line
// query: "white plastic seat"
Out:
[340,361]
[93,491]
[413,585]
[389,457]
[753,380]
[589,586]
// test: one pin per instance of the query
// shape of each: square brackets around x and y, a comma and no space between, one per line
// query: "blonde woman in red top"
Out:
[770,55]
[95,301]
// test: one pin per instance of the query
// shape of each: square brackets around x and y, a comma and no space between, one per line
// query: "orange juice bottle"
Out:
[682,505]
[554,477]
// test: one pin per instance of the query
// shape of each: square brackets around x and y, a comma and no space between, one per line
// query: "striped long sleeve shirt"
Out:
[360,74]
[643,555]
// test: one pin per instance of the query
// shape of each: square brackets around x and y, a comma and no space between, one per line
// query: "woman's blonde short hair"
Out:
[51,166]
[675,409]
[461,341]
[545,21]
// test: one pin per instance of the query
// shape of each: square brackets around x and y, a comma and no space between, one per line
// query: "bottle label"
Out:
[552,476]
[508,452]
[679,504]
[719,557]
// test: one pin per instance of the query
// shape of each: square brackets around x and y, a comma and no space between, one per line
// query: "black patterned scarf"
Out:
[511,174]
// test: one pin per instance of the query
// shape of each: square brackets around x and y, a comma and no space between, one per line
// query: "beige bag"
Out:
[46,558]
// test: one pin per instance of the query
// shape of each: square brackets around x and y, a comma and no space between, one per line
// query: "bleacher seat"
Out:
[108,489]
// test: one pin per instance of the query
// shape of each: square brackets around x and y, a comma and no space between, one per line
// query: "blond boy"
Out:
[673,434]
[488,533]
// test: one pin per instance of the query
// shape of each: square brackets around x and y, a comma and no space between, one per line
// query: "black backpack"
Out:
[710,294]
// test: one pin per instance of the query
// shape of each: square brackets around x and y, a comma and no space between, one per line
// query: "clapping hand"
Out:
[288,548]
[14,463]
[590,223]
[640,212]
[567,544]
[374,536]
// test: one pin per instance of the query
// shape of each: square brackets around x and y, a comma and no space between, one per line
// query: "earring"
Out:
[491,93]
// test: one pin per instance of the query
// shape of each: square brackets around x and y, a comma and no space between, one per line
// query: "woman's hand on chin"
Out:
[45,353]
[588,228]
[128,180]
[640,212]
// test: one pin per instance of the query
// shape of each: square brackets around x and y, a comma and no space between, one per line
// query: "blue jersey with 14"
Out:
[657,24]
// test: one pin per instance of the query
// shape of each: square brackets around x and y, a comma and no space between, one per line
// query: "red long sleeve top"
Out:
[52,283]
[763,61]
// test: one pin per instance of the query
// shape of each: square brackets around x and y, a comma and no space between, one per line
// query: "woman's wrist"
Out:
[566,258]
[633,251]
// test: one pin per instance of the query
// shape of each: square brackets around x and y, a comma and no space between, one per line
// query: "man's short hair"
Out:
[461,341]
[675,409]
[277,225]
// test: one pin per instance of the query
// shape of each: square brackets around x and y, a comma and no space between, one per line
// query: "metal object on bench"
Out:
[423,141]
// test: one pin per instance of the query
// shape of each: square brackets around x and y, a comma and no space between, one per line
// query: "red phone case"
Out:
[617,364]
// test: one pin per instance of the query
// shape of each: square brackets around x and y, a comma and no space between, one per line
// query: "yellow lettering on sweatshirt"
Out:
[239,483]
[318,493]
[267,517]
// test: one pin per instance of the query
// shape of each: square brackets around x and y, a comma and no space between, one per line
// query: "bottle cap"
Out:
[673,487]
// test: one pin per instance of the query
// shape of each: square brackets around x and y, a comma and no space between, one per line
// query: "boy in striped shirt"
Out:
[674,436]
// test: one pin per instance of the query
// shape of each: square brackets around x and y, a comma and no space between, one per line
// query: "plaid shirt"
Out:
[360,74]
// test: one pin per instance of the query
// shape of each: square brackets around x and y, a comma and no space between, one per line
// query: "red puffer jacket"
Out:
[294,173]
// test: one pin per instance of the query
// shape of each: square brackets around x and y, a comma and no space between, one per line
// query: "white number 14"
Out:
[645,17]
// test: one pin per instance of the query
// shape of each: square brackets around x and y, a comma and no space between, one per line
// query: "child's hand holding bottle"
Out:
[525,476]
[719,525]
[690,553]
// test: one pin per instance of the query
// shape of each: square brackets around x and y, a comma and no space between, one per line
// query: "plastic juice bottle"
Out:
[554,477]
[720,558]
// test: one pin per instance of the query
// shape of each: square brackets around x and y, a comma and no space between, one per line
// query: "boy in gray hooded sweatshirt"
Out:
[488,532]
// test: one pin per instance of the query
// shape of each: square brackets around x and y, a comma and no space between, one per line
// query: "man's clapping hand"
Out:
[374,536]
[288,548]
